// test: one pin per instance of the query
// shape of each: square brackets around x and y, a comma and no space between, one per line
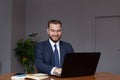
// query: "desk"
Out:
[97,76]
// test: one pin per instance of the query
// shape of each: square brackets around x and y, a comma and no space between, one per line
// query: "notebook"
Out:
[80,64]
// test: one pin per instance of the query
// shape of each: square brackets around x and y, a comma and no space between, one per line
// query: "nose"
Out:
[56,33]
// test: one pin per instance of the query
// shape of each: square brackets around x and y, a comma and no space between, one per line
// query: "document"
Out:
[37,76]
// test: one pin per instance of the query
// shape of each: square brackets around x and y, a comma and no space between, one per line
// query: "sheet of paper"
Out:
[37,76]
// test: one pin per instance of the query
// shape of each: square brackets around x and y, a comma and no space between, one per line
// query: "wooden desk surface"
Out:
[97,76]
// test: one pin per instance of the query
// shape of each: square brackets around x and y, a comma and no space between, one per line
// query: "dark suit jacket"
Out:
[44,56]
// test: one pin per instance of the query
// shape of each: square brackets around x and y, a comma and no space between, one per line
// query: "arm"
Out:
[41,61]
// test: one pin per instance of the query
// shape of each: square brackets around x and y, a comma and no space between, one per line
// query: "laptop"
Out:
[80,64]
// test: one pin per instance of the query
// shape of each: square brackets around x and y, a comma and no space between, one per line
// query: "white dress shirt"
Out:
[58,48]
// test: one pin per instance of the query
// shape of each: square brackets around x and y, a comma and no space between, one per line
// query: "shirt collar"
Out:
[52,43]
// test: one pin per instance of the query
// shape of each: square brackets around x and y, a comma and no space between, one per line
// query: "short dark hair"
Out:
[54,22]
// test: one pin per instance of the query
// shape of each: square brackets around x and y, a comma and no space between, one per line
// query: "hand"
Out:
[57,71]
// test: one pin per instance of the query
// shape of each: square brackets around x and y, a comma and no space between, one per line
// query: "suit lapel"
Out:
[49,50]
[62,51]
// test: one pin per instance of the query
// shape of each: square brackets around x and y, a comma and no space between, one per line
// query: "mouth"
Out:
[55,37]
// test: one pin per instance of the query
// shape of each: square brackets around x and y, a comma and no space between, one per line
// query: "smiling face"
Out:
[54,32]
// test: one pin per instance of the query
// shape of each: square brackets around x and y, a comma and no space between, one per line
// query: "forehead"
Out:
[55,26]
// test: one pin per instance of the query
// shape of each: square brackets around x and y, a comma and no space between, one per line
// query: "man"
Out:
[45,59]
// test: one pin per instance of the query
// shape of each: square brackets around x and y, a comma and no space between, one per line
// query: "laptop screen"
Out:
[80,64]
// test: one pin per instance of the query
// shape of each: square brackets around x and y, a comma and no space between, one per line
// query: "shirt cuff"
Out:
[52,71]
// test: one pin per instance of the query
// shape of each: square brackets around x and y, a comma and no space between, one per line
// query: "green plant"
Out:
[25,52]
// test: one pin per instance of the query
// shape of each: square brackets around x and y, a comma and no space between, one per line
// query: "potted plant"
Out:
[25,52]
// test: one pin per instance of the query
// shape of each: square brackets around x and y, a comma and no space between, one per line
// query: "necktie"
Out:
[56,56]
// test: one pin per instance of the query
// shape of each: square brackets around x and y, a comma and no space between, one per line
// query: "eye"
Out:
[58,30]
[55,30]
[52,30]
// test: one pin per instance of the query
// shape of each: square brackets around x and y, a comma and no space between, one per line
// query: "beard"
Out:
[55,41]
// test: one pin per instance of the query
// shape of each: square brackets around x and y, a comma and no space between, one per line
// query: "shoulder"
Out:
[42,43]
[66,46]
[65,43]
